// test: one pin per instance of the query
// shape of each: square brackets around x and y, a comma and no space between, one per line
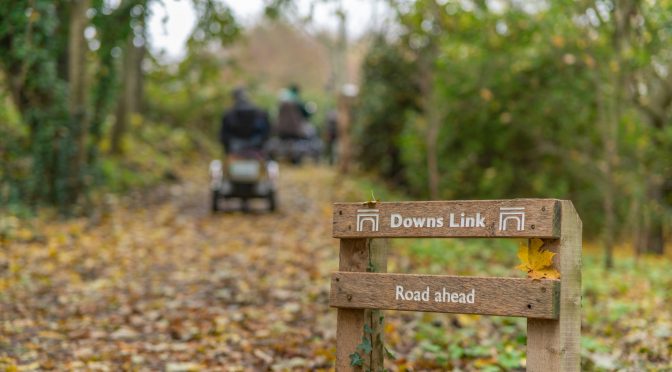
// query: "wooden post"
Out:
[554,345]
[360,255]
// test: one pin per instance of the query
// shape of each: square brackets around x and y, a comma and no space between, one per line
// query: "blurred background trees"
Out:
[457,99]
[73,80]
[528,99]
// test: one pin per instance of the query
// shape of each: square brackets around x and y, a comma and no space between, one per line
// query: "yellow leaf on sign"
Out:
[548,273]
[535,261]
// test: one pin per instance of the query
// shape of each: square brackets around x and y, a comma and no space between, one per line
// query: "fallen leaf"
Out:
[536,261]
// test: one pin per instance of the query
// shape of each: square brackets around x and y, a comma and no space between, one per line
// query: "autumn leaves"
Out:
[536,261]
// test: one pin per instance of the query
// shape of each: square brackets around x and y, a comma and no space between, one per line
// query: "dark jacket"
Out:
[291,120]
[244,127]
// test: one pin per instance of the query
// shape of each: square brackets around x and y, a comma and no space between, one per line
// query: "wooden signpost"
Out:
[361,288]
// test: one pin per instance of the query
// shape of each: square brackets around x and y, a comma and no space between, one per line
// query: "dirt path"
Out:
[171,287]
[156,283]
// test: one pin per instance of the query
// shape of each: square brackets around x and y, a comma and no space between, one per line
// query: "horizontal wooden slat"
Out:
[446,294]
[516,218]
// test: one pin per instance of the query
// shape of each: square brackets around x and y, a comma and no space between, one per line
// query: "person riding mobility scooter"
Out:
[246,173]
[296,135]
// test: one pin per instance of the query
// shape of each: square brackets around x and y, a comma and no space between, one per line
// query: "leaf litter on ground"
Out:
[165,285]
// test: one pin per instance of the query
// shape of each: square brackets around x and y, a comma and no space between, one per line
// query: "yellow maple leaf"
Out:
[535,261]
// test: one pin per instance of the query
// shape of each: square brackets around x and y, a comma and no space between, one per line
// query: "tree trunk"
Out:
[433,124]
[77,105]
[429,108]
[654,238]
[610,121]
[433,120]
[128,103]
[344,153]
[656,107]
[139,84]
[432,117]
[344,100]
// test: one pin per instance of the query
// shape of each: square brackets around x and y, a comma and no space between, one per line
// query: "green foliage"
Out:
[54,155]
[193,93]
[216,22]
[276,8]
[33,57]
[356,360]
[521,96]
[14,163]
[112,39]
[622,303]
[192,96]
[387,96]
[157,150]
[365,345]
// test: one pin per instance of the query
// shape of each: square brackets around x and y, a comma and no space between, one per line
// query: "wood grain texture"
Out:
[496,218]
[374,317]
[360,255]
[555,345]
[492,296]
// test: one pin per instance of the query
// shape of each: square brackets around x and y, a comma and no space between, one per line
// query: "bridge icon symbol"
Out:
[372,216]
[515,214]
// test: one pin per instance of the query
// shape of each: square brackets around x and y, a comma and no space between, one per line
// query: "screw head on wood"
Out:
[349,297]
